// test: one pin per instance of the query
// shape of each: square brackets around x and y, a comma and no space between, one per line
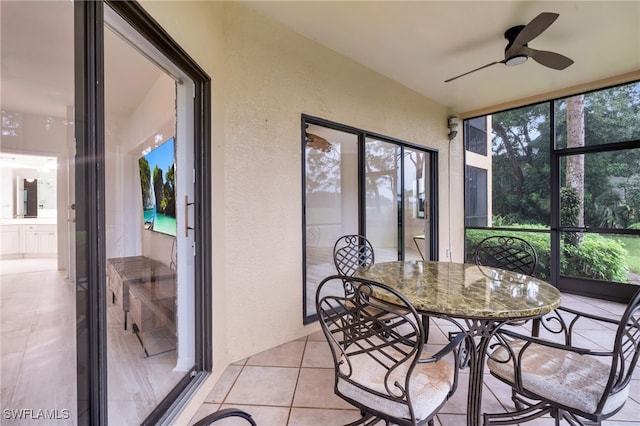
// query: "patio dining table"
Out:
[477,299]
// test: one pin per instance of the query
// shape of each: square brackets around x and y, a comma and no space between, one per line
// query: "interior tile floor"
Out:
[38,351]
[292,384]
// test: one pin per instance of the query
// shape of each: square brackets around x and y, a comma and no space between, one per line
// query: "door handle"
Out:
[186,216]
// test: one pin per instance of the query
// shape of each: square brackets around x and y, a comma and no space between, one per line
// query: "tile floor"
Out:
[288,385]
[37,340]
[292,384]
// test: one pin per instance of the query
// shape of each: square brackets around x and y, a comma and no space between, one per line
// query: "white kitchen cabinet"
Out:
[10,239]
[29,239]
[41,239]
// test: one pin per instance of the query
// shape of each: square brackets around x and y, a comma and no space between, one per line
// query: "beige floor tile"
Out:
[634,390]
[240,362]
[13,341]
[317,354]
[204,410]
[224,384]
[321,417]
[451,420]
[264,386]
[121,412]
[262,415]
[315,390]
[630,412]
[317,336]
[287,355]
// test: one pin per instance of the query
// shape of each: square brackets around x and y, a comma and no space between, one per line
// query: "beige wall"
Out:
[263,78]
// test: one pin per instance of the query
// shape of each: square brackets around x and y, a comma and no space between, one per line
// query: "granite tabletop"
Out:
[465,290]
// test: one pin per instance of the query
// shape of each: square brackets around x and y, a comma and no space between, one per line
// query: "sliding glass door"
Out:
[331,200]
[398,195]
[355,182]
[382,189]
[142,200]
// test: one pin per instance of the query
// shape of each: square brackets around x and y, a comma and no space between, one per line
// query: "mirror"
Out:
[30,197]
[28,186]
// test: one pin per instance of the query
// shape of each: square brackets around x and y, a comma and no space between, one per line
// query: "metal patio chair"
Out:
[223,414]
[582,385]
[510,253]
[377,349]
[507,252]
[352,252]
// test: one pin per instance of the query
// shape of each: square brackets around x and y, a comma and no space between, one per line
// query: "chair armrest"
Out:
[453,344]
[547,343]
[562,321]
[588,315]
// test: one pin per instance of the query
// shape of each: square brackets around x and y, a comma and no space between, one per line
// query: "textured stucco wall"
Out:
[264,77]
[274,75]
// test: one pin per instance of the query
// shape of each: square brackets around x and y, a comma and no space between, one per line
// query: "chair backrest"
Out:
[375,345]
[352,252]
[626,347]
[506,252]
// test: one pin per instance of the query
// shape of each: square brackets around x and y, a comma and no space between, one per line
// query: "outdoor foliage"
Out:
[521,177]
[569,212]
[596,257]
[521,170]
[145,180]
[168,204]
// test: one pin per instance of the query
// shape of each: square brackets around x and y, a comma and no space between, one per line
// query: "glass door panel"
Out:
[149,185]
[383,197]
[331,194]
[416,205]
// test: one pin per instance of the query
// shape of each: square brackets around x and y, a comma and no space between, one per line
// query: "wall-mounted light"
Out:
[452,124]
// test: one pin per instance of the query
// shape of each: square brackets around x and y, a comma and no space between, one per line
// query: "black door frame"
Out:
[91,289]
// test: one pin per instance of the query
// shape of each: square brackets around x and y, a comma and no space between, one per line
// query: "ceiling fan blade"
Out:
[532,30]
[550,59]
[477,69]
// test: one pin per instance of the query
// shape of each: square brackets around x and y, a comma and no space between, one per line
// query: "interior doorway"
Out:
[37,323]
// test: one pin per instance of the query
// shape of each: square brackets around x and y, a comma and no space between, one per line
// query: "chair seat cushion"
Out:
[428,388]
[565,377]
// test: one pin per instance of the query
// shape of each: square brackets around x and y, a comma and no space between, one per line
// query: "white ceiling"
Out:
[420,44]
[417,43]
[37,62]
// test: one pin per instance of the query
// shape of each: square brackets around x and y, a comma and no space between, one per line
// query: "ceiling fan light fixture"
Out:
[516,60]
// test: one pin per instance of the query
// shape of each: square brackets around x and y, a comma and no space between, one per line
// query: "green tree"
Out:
[520,150]
[168,191]
[158,185]
[611,182]
[145,182]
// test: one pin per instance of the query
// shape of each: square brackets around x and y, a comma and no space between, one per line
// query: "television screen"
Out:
[157,181]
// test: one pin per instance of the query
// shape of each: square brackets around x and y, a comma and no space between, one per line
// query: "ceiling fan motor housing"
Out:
[511,35]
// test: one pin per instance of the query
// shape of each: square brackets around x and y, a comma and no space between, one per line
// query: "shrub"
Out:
[596,257]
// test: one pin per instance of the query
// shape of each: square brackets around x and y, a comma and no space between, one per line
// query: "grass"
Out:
[632,245]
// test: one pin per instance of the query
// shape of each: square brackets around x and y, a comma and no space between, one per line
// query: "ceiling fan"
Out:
[517,50]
